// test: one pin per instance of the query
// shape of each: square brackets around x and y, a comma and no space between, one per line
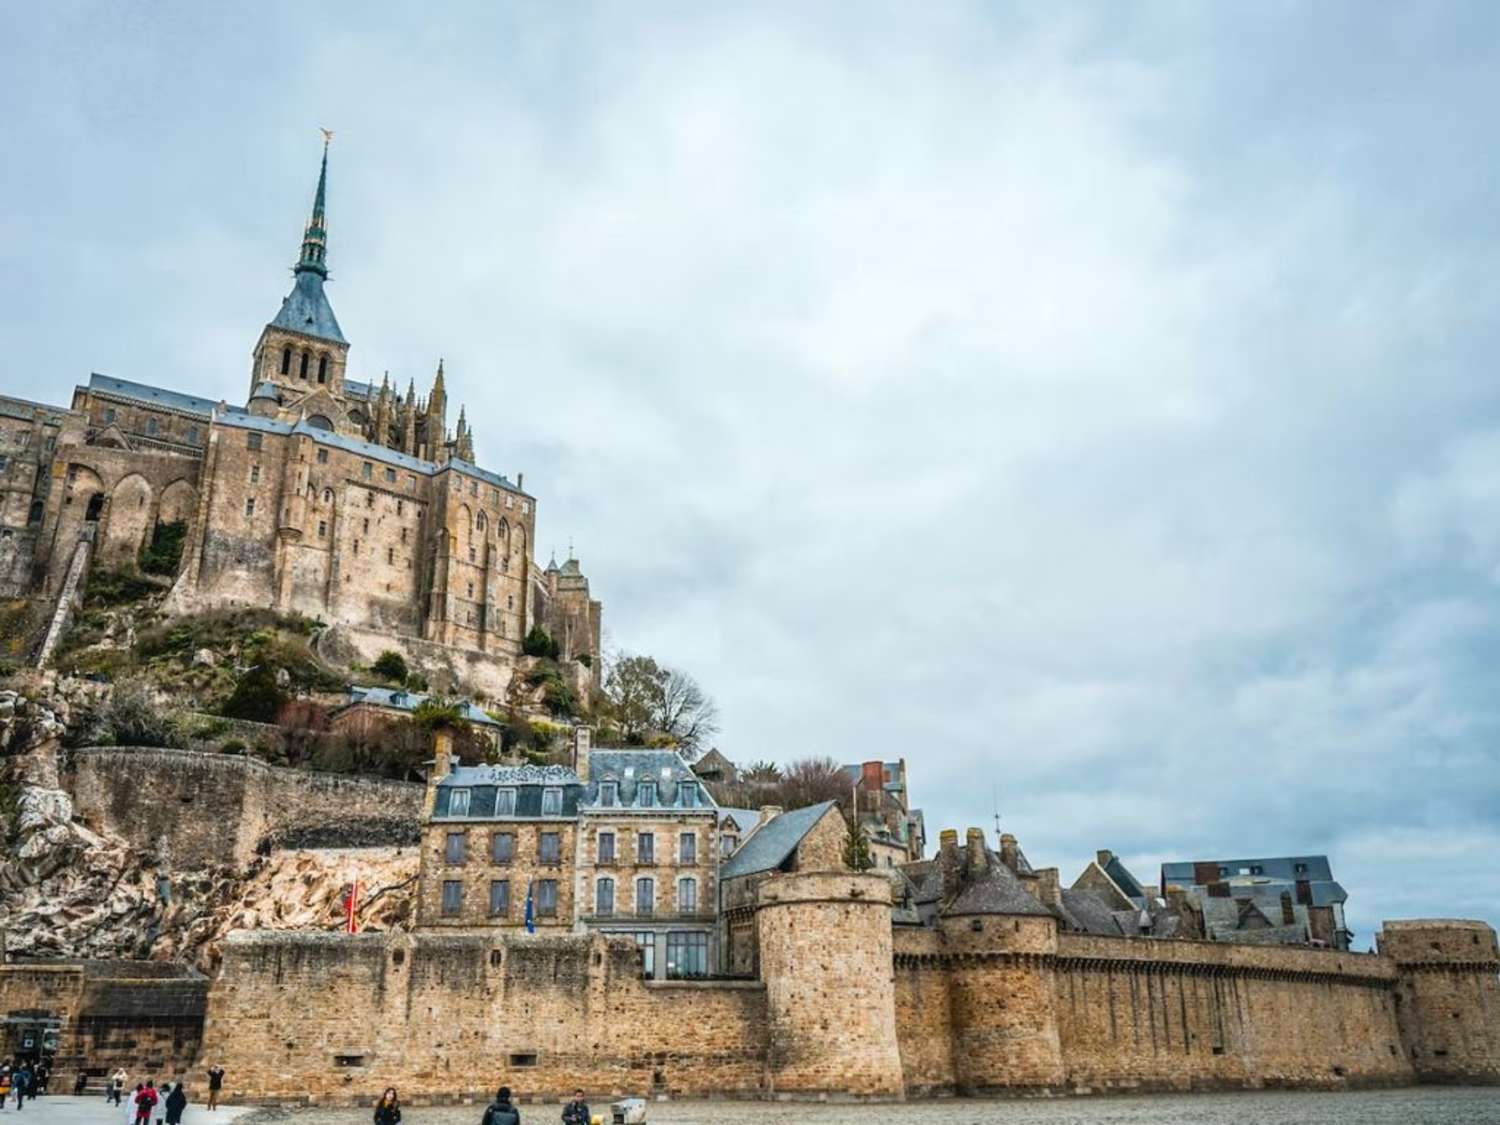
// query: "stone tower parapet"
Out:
[1448,997]
[825,955]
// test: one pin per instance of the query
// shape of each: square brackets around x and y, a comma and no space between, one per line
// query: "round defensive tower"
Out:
[1000,944]
[1448,997]
[825,957]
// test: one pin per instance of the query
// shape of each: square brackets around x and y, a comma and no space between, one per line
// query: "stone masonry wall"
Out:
[1448,998]
[329,1018]
[200,810]
[1138,1014]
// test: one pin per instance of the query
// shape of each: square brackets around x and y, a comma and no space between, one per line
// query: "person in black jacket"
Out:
[500,1111]
[388,1108]
[176,1103]
[576,1112]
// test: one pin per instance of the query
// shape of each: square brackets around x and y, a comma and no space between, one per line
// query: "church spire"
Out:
[315,237]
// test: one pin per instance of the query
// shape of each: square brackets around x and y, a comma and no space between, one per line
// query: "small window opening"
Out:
[523,1059]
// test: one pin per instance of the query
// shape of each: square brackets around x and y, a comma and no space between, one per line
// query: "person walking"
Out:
[116,1088]
[576,1112]
[176,1103]
[81,1081]
[500,1111]
[388,1108]
[215,1084]
[21,1083]
[4,1084]
[145,1102]
[40,1079]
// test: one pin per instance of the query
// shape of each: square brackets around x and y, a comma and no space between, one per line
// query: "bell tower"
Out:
[302,350]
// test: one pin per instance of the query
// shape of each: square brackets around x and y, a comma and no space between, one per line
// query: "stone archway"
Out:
[130,516]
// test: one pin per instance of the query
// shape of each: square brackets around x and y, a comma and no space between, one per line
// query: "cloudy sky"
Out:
[1096,406]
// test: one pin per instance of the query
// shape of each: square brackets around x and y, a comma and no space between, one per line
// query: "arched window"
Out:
[303,372]
[328,496]
[480,522]
[323,369]
[319,422]
[286,360]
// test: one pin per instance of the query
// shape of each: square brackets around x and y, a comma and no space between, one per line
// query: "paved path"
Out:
[59,1109]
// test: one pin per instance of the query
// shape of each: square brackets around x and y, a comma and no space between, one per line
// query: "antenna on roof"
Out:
[995,804]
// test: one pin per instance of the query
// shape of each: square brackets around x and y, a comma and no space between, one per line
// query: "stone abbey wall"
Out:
[200,810]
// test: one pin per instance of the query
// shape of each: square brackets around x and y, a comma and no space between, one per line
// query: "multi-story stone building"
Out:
[622,842]
[880,800]
[323,494]
[648,856]
[1272,899]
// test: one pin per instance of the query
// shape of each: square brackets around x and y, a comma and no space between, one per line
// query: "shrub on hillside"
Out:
[257,696]
[539,642]
[391,665]
[163,555]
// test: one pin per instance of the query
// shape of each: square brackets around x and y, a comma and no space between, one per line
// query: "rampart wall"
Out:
[1138,1014]
[198,810]
[329,1017]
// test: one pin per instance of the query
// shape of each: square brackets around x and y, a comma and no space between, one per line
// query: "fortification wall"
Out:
[145,1016]
[1184,1015]
[1448,1002]
[924,1025]
[198,810]
[329,1017]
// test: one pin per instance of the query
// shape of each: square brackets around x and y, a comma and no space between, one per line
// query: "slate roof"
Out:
[627,767]
[995,891]
[769,848]
[474,470]
[1086,911]
[744,819]
[401,700]
[152,396]
[357,389]
[1124,879]
[1271,867]
[265,389]
[306,310]
[482,782]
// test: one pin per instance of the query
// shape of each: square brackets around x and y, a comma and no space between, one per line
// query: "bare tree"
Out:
[685,713]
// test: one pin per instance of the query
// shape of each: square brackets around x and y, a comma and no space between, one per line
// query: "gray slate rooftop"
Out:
[769,848]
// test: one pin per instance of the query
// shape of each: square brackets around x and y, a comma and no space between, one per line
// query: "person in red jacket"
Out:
[145,1102]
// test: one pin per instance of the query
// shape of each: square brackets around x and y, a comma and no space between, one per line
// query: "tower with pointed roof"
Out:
[303,350]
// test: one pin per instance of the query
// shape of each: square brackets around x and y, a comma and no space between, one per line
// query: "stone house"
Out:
[806,839]
[880,798]
[492,837]
[1278,899]
[371,710]
[648,856]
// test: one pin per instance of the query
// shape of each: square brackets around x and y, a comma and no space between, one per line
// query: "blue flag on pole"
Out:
[530,913]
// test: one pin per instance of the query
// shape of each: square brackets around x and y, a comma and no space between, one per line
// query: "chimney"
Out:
[1103,856]
[442,765]
[1010,854]
[583,737]
[872,777]
[976,855]
[1049,887]
[768,813]
[948,861]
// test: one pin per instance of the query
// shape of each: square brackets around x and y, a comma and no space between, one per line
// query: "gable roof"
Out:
[152,396]
[769,848]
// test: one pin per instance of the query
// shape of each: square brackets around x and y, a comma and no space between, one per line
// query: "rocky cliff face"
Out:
[67,890]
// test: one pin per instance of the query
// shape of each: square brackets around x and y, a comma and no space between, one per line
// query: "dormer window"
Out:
[645,795]
[505,802]
[609,793]
[552,802]
[458,803]
[687,794]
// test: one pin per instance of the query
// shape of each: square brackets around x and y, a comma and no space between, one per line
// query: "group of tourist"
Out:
[23,1079]
[502,1111]
[148,1105]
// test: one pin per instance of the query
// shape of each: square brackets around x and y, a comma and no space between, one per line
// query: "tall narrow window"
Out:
[645,795]
[250,507]
[453,896]
[502,847]
[549,848]
[688,845]
[303,371]
[546,897]
[645,847]
[645,897]
[609,793]
[323,369]
[687,896]
[500,897]
[687,794]
[286,360]
[604,898]
[453,850]
[606,847]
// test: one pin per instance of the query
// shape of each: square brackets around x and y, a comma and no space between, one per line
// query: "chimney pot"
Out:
[976,855]
[1103,856]
[769,813]
[1009,852]
[583,738]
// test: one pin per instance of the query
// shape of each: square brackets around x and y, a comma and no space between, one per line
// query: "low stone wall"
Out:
[328,1018]
[196,810]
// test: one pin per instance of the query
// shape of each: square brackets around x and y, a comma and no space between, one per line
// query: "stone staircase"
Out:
[67,598]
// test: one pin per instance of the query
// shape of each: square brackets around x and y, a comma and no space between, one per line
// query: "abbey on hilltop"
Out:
[346,501]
